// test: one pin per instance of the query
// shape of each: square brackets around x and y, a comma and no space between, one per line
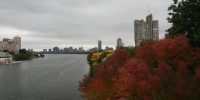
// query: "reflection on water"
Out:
[54,77]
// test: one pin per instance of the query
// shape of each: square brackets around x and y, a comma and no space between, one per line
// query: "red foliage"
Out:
[136,80]
[101,85]
[168,69]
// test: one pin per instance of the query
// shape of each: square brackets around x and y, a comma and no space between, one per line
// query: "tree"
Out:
[164,70]
[22,51]
[101,85]
[185,20]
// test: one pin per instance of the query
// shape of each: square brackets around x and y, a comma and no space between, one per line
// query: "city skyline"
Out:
[49,23]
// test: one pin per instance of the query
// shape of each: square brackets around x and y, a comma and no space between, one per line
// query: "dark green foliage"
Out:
[91,73]
[145,41]
[130,50]
[22,51]
[89,60]
[21,57]
[185,19]
[103,55]
[24,55]
[12,53]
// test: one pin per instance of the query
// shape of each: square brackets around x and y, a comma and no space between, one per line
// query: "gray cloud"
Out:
[63,23]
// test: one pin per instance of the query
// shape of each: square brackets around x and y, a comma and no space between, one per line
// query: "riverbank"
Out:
[15,62]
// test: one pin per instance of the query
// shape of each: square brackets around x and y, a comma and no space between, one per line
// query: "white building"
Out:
[5,58]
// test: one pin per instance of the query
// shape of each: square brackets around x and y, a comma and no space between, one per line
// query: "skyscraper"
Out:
[119,42]
[99,45]
[146,30]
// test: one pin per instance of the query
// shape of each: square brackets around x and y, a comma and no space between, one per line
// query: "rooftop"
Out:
[5,54]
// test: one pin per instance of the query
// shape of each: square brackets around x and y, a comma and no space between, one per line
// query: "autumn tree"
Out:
[101,85]
[185,19]
[164,70]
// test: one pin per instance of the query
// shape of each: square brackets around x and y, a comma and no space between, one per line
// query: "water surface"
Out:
[54,77]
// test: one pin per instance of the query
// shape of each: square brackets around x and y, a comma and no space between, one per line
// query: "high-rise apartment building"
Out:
[13,45]
[99,45]
[18,40]
[146,30]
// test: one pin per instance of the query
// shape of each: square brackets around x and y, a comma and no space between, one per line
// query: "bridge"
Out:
[64,52]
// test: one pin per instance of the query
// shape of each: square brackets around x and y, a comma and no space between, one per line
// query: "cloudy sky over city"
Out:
[44,24]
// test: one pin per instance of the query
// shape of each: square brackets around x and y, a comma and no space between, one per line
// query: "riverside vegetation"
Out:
[24,55]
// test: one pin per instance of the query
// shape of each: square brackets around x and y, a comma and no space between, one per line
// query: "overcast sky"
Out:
[44,24]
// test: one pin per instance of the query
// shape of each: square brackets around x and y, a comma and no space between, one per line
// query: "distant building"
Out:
[50,50]
[108,48]
[80,49]
[74,50]
[119,42]
[65,50]
[93,49]
[99,45]
[44,50]
[5,58]
[146,30]
[29,50]
[70,49]
[56,49]
[122,44]
[12,45]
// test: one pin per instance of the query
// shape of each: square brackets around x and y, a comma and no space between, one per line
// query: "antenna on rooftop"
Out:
[148,8]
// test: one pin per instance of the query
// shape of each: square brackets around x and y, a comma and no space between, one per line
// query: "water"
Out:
[54,77]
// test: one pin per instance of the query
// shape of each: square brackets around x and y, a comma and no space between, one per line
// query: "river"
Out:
[54,77]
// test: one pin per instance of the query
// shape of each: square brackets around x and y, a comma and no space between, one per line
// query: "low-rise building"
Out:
[5,58]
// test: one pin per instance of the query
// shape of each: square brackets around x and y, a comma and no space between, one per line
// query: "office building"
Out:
[146,30]
[99,45]
[44,50]
[50,50]
[80,49]
[56,49]
[108,48]
[70,49]
[66,50]
[119,42]
[93,49]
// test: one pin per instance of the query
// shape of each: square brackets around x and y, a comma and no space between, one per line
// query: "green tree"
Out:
[130,50]
[22,51]
[185,19]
